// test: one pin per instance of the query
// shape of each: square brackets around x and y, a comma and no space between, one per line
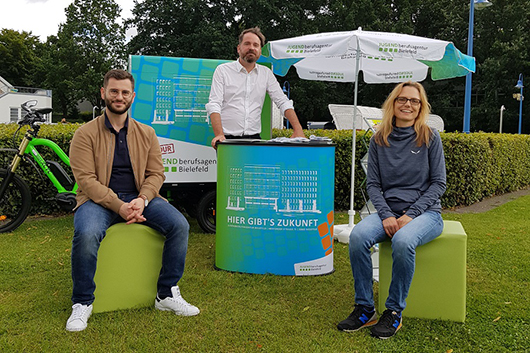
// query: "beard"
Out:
[108,104]
[250,59]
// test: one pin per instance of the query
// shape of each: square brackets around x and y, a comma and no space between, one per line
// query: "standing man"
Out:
[118,166]
[238,92]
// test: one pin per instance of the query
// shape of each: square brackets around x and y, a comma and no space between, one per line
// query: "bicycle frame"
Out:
[15,193]
[28,146]
[30,149]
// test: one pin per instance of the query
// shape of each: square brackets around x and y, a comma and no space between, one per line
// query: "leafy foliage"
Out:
[88,44]
[18,51]
[191,28]
[91,41]
[502,54]
[477,165]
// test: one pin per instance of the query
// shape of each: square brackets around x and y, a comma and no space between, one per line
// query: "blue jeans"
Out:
[91,222]
[370,231]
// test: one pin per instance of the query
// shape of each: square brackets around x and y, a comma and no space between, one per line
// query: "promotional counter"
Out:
[275,207]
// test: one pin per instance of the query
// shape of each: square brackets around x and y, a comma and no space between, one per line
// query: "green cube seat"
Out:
[129,262]
[438,289]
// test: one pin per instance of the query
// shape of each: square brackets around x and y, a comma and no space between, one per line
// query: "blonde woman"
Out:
[406,178]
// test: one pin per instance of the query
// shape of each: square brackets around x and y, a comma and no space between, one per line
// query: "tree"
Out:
[58,61]
[17,50]
[209,29]
[502,53]
[188,28]
[88,44]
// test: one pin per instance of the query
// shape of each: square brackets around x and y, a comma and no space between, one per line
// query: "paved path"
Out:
[491,202]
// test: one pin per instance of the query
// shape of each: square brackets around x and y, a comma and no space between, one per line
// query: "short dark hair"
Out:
[118,74]
[254,30]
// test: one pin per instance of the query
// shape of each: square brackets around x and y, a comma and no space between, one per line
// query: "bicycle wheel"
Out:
[14,203]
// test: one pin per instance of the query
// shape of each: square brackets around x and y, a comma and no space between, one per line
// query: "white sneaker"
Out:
[176,304]
[78,320]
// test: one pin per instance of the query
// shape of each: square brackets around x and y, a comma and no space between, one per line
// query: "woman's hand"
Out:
[391,226]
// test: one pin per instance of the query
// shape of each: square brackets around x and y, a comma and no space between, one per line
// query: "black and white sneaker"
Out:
[360,317]
[387,325]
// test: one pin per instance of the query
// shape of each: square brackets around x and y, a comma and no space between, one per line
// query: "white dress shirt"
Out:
[238,96]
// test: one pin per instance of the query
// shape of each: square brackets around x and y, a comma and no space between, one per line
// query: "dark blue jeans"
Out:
[91,222]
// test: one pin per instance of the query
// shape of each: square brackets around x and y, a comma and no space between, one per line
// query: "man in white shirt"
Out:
[238,92]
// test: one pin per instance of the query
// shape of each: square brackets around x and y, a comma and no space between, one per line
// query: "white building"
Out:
[11,97]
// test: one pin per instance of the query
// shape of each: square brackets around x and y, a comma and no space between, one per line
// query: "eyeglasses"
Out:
[115,92]
[403,100]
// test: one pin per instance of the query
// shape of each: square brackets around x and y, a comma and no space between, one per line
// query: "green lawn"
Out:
[264,313]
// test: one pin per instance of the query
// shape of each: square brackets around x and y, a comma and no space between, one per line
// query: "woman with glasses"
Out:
[405,180]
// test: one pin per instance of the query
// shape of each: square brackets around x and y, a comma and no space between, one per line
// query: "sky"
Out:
[42,17]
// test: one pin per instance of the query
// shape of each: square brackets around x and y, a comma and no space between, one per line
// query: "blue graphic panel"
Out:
[275,209]
[171,94]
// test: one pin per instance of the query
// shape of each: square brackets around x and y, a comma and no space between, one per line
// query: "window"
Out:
[13,114]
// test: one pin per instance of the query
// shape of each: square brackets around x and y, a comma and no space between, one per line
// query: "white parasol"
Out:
[383,58]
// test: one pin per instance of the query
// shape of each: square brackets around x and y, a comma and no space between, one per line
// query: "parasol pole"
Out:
[342,232]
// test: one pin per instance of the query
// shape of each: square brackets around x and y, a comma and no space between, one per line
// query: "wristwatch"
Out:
[146,201]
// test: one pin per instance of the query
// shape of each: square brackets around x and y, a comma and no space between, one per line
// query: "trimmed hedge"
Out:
[479,165]
[343,150]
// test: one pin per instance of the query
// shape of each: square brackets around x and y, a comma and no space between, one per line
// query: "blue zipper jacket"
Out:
[404,178]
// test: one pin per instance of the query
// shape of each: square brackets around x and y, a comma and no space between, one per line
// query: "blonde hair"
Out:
[423,131]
